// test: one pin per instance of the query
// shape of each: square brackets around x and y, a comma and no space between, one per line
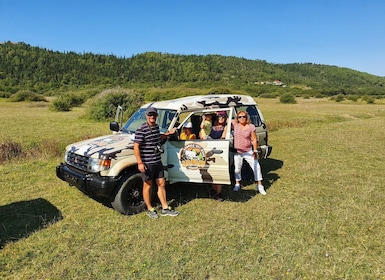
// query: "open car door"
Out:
[198,160]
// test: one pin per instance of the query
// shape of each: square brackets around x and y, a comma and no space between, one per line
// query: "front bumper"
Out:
[92,184]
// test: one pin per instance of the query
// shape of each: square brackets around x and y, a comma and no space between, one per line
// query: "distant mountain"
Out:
[25,67]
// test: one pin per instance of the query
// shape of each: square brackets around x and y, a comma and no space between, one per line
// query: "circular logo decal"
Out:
[192,156]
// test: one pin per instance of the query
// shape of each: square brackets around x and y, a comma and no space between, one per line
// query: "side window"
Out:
[254,116]
[253,112]
[169,116]
[216,125]
[189,129]
[196,120]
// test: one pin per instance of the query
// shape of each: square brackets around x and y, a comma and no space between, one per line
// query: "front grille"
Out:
[77,161]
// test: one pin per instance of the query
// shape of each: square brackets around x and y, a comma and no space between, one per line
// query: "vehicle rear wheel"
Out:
[128,199]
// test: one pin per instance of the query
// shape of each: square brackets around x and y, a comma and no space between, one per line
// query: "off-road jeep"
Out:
[106,167]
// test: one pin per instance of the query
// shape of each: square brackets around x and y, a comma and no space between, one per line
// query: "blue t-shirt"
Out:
[148,137]
[216,132]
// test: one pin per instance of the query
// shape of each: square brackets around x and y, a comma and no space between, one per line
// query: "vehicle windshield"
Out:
[139,117]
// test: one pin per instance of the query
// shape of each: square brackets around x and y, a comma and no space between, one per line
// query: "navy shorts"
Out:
[153,171]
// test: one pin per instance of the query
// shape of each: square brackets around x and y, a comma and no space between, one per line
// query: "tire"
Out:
[128,198]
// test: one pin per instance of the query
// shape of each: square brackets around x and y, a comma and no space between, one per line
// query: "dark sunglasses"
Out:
[241,117]
[152,115]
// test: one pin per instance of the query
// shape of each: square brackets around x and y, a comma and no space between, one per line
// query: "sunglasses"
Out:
[152,115]
[241,117]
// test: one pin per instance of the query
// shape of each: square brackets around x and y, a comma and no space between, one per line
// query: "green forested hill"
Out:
[25,67]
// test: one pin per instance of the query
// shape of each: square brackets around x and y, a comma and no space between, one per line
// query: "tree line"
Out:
[26,67]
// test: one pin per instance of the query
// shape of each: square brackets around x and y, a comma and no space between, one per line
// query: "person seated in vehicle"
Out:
[206,126]
[218,130]
[187,133]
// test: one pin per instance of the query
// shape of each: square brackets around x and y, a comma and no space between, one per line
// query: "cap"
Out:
[222,113]
[152,110]
[187,125]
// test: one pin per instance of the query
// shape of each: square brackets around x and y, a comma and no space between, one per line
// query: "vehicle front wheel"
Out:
[128,198]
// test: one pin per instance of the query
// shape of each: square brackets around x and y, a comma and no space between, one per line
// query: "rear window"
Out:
[253,112]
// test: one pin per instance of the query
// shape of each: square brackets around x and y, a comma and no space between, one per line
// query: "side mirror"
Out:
[114,126]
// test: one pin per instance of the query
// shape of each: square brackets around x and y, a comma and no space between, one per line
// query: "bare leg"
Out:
[217,188]
[146,193]
[161,182]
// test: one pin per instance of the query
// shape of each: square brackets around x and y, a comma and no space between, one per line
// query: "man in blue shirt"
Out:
[147,149]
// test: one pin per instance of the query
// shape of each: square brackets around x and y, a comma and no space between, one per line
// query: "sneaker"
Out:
[261,189]
[152,213]
[169,212]
[236,188]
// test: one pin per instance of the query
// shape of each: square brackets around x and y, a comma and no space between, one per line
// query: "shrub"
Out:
[287,98]
[352,97]
[5,94]
[67,101]
[339,98]
[61,105]
[268,95]
[319,95]
[25,95]
[105,106]
[368,99]
[75,99]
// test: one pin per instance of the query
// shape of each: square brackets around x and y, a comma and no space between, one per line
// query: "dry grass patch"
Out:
[10,150]
[31,130]
[322,217]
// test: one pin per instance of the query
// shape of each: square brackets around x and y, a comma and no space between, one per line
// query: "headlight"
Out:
[96,164]
[66,157]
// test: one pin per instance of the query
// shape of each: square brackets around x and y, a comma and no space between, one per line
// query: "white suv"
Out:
[106,166]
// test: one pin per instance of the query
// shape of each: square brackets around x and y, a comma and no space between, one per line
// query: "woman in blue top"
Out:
[218,131]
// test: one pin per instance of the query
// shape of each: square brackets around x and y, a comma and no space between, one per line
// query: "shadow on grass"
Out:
[267,167]
[20,219]
[182,193]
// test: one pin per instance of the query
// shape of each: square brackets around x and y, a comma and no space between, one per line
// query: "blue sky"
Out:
[344,33]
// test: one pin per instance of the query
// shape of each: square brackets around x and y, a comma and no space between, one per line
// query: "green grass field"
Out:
[323,217]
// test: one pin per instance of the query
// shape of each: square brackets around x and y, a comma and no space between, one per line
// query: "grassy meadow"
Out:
[323,216]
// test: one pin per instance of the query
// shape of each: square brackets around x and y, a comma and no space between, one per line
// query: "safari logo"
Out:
[192,156]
